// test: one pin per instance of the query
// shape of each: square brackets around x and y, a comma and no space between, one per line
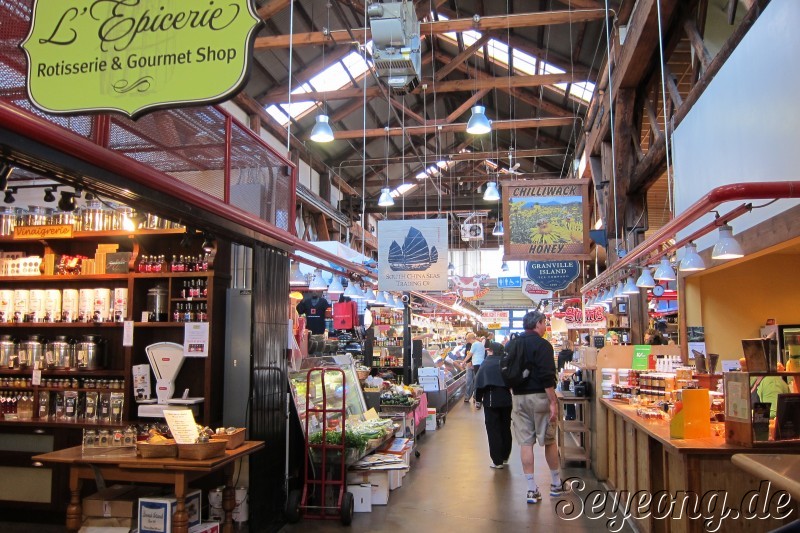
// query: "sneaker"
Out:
[496,467]
[534,496]
[466,399]
[557,490]
[477,405]
[505,462]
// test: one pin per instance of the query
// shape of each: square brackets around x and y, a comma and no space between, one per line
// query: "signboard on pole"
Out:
[546,219]
[511,282]
[496,317]
[412,255]
[553,275]
[535,292]
[138,55]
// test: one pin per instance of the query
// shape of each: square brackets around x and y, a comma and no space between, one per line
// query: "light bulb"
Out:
[322,132]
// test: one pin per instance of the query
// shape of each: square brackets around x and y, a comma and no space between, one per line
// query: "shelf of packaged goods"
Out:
[100,235]
[55,389]
[190,300]
[388,367]
[160,324]
[63,279]
[64,373]
[196,274]
[60,325]
[41,423]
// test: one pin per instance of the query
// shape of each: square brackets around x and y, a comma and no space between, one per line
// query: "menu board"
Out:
[182,425]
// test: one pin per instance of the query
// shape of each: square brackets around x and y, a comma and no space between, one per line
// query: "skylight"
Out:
[402,189]
[523,62]
[332,78]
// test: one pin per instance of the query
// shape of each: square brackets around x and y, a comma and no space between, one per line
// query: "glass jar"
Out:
[89,438]
[104,438]
[8,220]
[38,215]
[157,304]
[95,217]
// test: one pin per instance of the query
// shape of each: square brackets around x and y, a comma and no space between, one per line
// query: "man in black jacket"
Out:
[495,396]
[535,406]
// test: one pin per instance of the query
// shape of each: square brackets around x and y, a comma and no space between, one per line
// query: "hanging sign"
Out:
[134,56]
[641,357]
[502,318]
[471,287]
[535,292]
[513,282]
[62,231]
[412,255]
[553,275]
[575,318]
[546,219]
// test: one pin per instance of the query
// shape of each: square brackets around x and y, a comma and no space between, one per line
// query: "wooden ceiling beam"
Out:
[485,82]
[495,22]
[459,156]
[272,8]
[462,56]
[458,127]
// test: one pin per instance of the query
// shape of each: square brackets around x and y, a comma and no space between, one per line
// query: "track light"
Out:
[478,123]
[67,201]
[664,271]
[48,194]
[691,262]
[5,172]
[9,197]
[491,194]
[386,199]
[208,243]
[322,132]
[727,247]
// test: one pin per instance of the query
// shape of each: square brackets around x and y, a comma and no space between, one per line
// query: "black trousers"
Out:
[498,431]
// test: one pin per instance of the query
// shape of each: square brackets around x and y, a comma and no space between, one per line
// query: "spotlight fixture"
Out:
[48,194]
[208,243]
[664,271]
[9,197]
[296,278]
[386,199]
[491,194]
[691,262]
[478,123]
[646,279]
[322,132]
[497,230]
[67,201]
[727,247]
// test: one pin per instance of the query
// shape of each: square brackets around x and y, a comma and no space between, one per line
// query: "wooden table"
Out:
[176,472]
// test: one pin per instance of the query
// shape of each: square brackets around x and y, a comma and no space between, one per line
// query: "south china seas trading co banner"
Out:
[133,56]
[546,219]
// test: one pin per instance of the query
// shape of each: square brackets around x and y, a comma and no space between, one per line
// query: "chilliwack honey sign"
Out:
[133,56]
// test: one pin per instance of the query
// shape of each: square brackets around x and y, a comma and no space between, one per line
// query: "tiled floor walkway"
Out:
[452,489]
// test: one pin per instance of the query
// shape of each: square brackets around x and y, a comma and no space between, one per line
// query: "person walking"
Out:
[467,362]
[535,406]
[477,355]
[492,393]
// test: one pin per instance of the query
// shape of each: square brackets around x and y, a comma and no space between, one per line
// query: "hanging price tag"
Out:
[36,380]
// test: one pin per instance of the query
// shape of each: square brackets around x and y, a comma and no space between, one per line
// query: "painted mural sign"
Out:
[546,219]
[535,292]
[133,56]
[412,255]
[470,287]
[553,275]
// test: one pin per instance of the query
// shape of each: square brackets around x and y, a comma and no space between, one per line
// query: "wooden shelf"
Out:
[198,274]
[100,235]
[190,300]
[63,279]
[572,426]
[60,325]
[64,373]
[39,423]
[57,389]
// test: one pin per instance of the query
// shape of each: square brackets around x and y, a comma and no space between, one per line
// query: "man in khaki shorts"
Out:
[535,407]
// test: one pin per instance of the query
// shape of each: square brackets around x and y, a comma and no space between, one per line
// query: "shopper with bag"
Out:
[492,392]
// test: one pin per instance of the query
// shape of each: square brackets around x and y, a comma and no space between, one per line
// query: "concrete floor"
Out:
[451,488]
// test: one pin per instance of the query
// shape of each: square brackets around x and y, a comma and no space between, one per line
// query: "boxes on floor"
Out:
[96,524]
[155,514]
[117,501]
[429,383]
[362,498]
[377,480]
[430,420]
[206,527]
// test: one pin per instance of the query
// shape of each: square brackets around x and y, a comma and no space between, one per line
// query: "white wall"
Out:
[744,128]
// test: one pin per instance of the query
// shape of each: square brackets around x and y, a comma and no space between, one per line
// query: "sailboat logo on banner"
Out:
[413,255]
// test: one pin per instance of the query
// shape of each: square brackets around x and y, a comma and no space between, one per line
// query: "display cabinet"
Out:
[747,425]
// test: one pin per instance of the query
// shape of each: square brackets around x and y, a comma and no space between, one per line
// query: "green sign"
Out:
[641,357]
[133,56]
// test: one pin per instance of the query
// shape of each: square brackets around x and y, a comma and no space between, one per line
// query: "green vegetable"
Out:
[334,437]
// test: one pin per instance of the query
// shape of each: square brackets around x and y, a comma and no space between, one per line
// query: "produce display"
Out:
[356,437]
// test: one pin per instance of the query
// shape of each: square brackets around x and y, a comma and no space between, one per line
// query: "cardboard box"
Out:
[395,479]
[430,423]
[194,506]
[98,524]
[155,515]
[207,527]
[117,501]
[362,498]
[378,480]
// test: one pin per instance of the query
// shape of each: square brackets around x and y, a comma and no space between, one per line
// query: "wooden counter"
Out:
[635,454]
[781,469]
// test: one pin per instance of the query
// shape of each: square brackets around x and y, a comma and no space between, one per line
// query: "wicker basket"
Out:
[151,451]
[362,374]
[202,450]
[235,439]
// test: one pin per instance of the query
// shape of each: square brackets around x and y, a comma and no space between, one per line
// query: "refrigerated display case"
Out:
[355,405]
[789,345]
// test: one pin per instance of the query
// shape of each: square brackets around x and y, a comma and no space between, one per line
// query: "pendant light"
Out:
[691,262]
[504,267]
[619,291]
[352,291]
[491,194]
[296,278]
[664,271]
[369,296]
[317,283]
[630,287]
[727,247]
[335,288]
[381,300]
[478,123]
[398,304]
[646,279]
[386,199]
[322,132]
[497,230]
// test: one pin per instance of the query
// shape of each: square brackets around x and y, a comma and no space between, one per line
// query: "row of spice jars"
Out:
[7,382]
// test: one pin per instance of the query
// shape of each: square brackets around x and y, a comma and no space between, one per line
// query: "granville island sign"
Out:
[133,56]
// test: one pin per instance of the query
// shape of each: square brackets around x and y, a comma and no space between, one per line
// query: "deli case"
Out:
[453,391]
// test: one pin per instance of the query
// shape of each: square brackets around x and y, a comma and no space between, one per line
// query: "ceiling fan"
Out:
[512,166]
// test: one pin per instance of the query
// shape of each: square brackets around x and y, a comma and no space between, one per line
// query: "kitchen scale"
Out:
[166,360]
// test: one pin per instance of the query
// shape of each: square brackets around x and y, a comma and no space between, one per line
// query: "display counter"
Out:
[639,455]
[444,400]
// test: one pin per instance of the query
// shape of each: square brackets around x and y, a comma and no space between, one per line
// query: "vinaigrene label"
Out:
[132,56]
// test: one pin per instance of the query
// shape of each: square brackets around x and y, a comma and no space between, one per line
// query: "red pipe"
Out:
[22,123]
[724,193]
